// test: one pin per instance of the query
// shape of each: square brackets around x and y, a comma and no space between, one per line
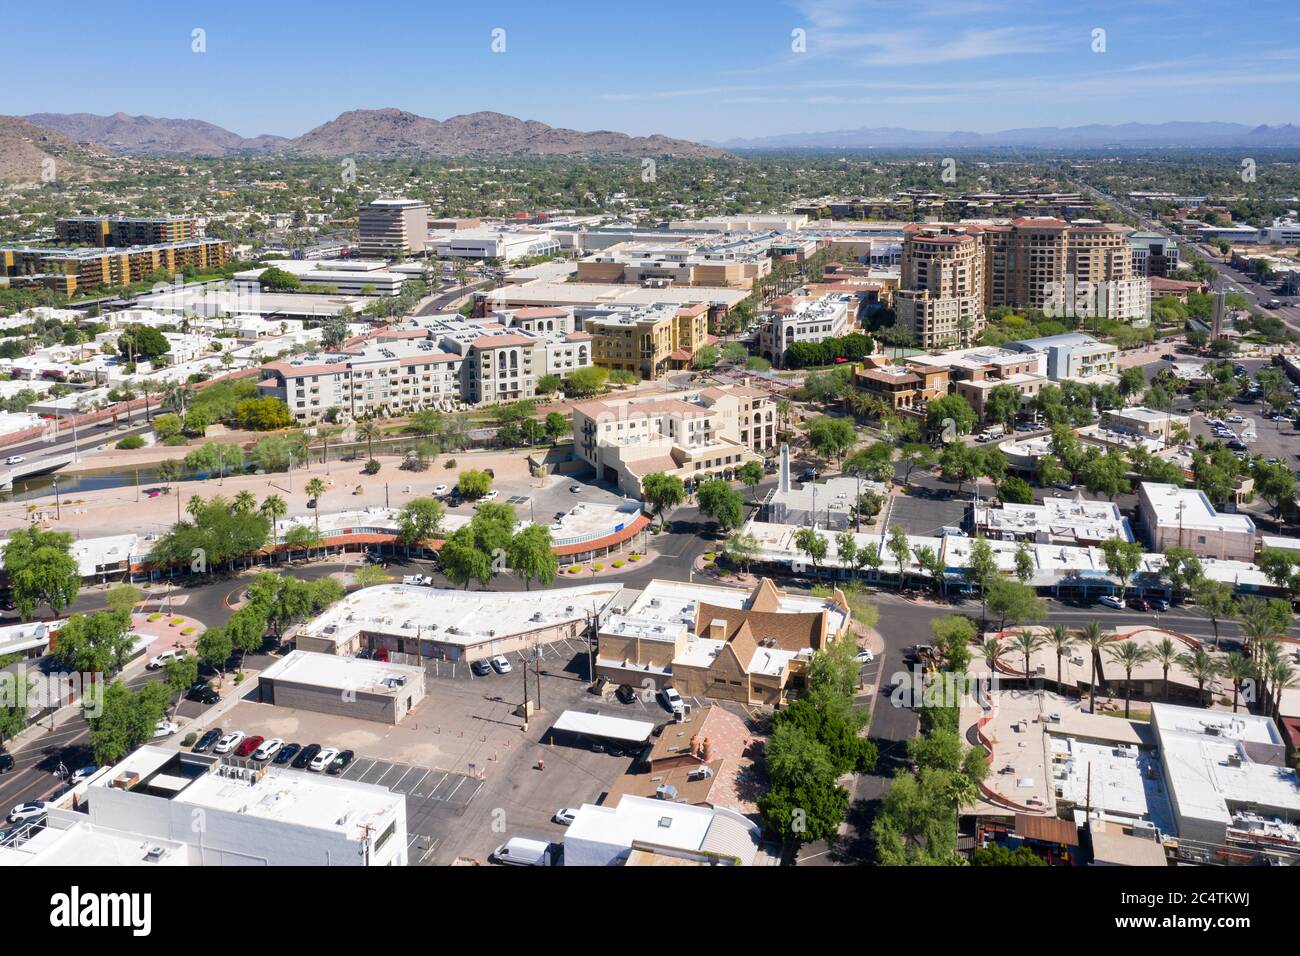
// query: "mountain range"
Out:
[29,152]
[381,132]
[1203,135]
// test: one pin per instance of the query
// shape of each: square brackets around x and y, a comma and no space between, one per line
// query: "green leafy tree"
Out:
[662,493]
[41,570]
[531,556]
[420,520]
[719,501]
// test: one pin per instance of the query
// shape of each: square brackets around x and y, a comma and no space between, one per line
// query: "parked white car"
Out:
[565,816]
[268,749]
[324,759]
[440,489]
[864,656]
[26,812]
[672,700]
[501,665]
[1111,600]
[162,660]
[165,728]
[229,742]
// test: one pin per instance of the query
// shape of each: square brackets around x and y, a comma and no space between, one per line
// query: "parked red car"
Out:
[381,654]
[249,745]
[1139,604]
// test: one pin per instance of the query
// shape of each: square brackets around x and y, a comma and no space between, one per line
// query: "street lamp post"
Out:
[58,508]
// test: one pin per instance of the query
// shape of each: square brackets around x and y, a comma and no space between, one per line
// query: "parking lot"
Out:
[925,516]
[1272,439]
[540,499]
[472,774]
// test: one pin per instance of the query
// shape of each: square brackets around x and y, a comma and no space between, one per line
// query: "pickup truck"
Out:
[420,579]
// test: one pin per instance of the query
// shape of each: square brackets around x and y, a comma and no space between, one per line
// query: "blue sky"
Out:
[704,70]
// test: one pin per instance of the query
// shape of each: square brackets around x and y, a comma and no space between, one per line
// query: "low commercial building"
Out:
[900,387]
[974,373]
[695,435]
[1074,521]
[143,812]
[1173,517]
[1072,356]
[1227,778]
[655,832]
[747,645]
[1146,422]
[444,624]
[505,244]
[351,277]
[795,319]
[346,686]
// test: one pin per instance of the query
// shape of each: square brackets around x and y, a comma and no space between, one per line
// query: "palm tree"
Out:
[368,431]
[1128,655]
[784,409]
[1283,676]
[194,506]
[1268,657]
[1237,668]
[1166,654]
[316,488]
[1094,637]
[1062,643]
[244,502]
[1202,667]
[1025,643]
[993,651]
[273,509]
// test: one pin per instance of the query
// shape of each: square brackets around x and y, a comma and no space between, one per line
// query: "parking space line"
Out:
[391,768]
[379,765]
[438,786]
[416,786]
[362,768]
[459,784]
[398,784]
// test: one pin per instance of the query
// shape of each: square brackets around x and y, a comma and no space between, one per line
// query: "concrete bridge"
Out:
[26,469]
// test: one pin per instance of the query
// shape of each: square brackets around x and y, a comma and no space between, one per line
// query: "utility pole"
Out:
[525,693]
[537,671]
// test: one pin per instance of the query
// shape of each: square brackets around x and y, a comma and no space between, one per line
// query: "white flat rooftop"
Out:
[343,673]
[455,616]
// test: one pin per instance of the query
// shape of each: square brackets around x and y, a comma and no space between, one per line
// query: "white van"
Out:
[520,851]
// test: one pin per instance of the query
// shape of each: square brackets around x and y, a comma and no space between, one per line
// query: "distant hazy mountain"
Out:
[1095,136]
[392,131]
[27,151]
[151,135]
[383,132]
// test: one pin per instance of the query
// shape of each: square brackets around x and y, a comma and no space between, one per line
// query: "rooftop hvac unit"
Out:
[154,854]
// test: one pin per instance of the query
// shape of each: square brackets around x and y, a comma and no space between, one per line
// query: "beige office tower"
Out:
[392,228]
[940,299]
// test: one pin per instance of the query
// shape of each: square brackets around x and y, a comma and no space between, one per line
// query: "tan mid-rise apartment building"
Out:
[695,435]
[444,363]
[106,231]
[73,271]
[952,274]
[649,341]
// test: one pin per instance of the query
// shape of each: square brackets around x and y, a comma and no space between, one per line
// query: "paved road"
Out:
[439,302]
